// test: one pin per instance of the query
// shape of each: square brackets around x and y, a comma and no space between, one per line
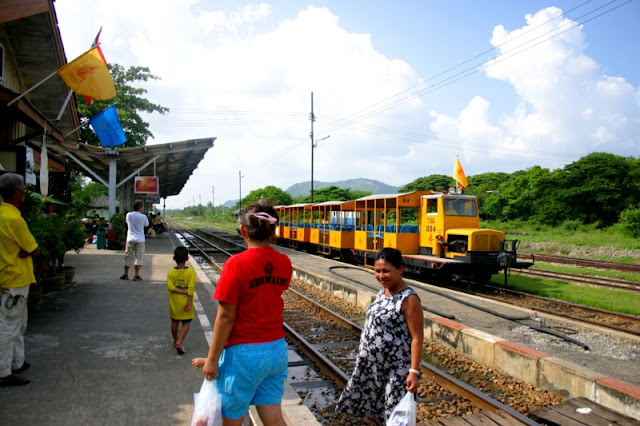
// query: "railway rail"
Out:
[331,341]
[624,323]
[500,294]
[312,338]
[587,263]
[613,283]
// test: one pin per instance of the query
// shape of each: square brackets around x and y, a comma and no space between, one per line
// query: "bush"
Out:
[74,237]
[572,225]
[119,223]
[630,221]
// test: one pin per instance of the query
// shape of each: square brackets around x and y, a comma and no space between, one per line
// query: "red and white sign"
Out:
[146,185]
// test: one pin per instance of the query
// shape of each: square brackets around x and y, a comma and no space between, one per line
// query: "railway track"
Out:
[331,341]
[432,391]
[613,283]
[624,323]
[328,344]
[586,263]
[615,321]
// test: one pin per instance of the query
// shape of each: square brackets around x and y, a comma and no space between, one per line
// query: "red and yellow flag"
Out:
[88,75]
[458,174]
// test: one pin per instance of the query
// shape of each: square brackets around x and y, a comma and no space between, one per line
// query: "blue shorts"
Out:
[251,374]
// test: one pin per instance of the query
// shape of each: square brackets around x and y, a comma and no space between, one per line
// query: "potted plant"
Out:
[47,233]
[74,239]
[119,224]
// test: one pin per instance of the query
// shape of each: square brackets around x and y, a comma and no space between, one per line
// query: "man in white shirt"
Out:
[134,253]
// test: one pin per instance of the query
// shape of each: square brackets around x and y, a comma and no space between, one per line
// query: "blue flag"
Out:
[107,126]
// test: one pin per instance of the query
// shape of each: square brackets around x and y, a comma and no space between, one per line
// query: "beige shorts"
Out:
[134,254]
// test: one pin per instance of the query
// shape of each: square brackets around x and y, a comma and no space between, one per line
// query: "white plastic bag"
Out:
[207,409]
[405,412]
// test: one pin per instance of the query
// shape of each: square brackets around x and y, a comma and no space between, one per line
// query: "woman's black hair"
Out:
[258,229]
[391,255]
[181,254]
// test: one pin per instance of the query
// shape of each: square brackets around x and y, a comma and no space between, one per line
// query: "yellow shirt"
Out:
[15,271]
[184,279]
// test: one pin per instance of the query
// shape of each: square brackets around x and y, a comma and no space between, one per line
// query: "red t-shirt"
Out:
[254,281]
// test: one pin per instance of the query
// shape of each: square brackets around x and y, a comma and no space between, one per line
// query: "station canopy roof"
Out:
[173,162]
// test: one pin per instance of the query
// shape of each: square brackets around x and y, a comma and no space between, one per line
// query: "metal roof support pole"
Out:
[113,169]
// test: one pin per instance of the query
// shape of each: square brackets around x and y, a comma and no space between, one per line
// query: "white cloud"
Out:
[566,110]
[244,77]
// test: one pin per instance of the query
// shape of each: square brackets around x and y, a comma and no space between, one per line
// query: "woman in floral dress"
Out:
[390,351]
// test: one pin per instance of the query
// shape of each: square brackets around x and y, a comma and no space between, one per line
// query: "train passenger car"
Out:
[295,226]
[438,233]
[333,226]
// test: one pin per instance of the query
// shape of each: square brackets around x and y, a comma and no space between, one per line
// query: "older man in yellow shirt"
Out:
[17,246]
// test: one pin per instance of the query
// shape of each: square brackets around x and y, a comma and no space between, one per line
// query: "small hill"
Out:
[360,184]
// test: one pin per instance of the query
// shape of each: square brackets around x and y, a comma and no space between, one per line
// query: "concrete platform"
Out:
[101,350]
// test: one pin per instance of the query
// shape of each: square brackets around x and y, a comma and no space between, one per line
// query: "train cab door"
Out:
[430,225]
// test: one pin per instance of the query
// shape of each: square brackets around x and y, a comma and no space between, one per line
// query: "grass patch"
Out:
[629,276]
[570,234]
[611,300]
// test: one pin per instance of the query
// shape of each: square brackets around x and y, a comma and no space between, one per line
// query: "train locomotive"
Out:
[438,233]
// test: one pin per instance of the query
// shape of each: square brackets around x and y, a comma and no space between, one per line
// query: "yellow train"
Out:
[438,233]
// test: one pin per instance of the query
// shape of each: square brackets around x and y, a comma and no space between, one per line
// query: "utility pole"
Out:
[213,197]
[240,179]
[312,118]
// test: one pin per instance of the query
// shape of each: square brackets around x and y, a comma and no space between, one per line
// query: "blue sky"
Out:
[400,88]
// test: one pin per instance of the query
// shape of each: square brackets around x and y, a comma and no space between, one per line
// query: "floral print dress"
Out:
[379,379]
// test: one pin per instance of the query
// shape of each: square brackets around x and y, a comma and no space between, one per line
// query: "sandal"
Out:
[14,380]
[137,278]
[25,366]
[124,277]
[179,348]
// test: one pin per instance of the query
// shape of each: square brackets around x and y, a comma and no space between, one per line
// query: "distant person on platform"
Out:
[134,252]
[17,247]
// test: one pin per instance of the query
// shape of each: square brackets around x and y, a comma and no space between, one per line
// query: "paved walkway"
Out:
[101,350]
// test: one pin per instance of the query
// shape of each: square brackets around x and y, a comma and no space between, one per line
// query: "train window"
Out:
[432,206]
[460,208]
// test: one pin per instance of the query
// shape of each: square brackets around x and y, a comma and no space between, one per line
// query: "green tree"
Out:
[83,192]
[333,193]
[129,103]
[432,182]
[518,195]
[272,193]
[481,185]
[630,220]
[597,188]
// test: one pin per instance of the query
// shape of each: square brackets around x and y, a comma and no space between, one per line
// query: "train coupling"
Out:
[508,256]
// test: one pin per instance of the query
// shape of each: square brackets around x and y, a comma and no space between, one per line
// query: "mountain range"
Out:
[360,184]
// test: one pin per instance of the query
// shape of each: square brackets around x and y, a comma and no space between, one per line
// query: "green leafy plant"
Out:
[630,221]
[119,223]
[74,236]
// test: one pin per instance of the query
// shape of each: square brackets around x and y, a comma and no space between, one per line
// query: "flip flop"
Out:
[179,348]
[25,366]
[14,380]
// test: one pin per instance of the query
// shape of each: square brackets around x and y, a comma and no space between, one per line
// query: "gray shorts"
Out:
[134,254]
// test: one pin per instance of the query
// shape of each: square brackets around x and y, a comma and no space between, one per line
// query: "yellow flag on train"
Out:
[458,174]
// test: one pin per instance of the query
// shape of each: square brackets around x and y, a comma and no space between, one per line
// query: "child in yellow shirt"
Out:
[181,284]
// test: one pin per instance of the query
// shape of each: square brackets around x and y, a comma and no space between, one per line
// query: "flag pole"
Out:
[42,81]
[33,87]
[79,127]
